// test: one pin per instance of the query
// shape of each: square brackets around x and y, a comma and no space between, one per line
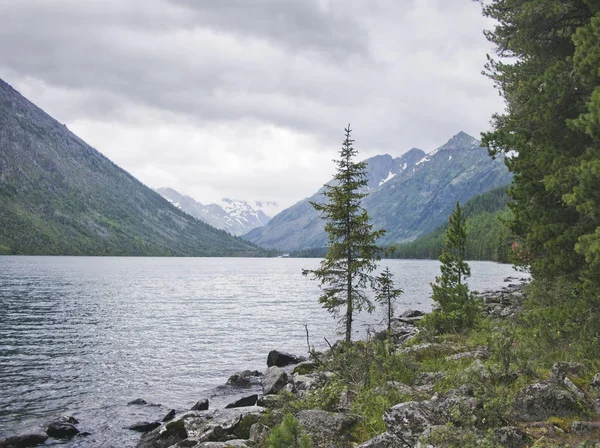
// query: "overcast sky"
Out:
[249,98]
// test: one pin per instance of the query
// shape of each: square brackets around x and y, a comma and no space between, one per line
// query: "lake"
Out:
[85,335]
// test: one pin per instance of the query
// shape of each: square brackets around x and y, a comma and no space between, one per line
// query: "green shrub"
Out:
[289,434]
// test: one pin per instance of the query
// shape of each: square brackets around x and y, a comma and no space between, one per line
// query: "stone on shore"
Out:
[201,405]
[243,402]
[274,380]
[23,441]
[170,416]
[246,378]
[282,359]
[144,426]
[328,429]
[62,428]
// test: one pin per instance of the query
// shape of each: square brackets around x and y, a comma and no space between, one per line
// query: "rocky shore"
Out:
[562,408]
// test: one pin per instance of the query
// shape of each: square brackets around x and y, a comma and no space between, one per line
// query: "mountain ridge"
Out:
[415,200]
[60,196]
[234,216]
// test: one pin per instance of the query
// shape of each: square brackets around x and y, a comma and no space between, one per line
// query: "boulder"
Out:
[242,402]
[539,401]
[480,353]
[137,401]
[201,405]
[573,388]
[328,429]
[304,368]
[585,428]
[144,426]
[259,433]
[170,416]
[282,359]
[456,406]
[407,421]
[304,382]
[246,378]
[511,437]
[385,440]
[562,370]
[595,383]
[23,441]
[194,428]
[236,443]
[274,380]
[63,428]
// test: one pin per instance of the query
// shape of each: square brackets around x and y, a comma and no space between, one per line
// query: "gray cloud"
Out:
[250,92]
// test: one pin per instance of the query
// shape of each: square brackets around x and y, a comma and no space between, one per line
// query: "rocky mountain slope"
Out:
[409,196]
[58,195]
[234,216]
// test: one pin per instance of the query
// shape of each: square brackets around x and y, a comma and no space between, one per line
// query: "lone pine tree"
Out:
[457,305]
[351,251]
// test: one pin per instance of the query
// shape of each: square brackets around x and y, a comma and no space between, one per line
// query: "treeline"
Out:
[488,236]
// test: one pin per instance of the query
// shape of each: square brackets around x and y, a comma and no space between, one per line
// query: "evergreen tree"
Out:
[351,251]
[289,434]
[386,294]
[549,54]
[457,306]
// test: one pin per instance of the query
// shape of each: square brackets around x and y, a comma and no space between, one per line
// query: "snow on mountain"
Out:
[234,216]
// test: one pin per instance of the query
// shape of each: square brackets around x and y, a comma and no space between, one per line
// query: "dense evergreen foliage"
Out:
[59,196]
[547,71]
[351,253]
[489,236]
[457,306]
[386,294]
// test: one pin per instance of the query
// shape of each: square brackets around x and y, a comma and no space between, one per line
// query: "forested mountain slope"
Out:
[58,195]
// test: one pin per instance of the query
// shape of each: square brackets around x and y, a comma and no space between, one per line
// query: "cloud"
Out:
[252,97]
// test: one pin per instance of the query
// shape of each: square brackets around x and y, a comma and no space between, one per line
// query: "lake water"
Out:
[84,335]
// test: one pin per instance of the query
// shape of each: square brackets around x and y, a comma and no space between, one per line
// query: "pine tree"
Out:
[386,294]
[351,252]
[548,53]
[457,306]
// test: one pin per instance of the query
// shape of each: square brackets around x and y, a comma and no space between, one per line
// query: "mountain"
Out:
[58,195]
[236,217]
[409,196]
[488,238]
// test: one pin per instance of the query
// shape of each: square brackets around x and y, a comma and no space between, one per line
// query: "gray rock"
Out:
[23,441]
[596,406]
[304,368]
[480,353]
[282,359]
[562,370]
[236,443]
[259,433]
[539,401]
[407,421]
[385,440]
[595,383]
[328,429]
[274,380]
[144,426]
[205,426]
[201,405]
[243,402]
[246,378]
[511,437]
[459,401]
[62,428]
[304,382]
[585,428]
[170,416]
[573,388]
[138,401]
